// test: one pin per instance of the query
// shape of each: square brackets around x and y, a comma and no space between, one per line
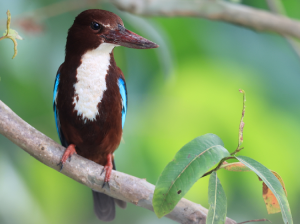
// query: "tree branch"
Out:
[219,10]
[122,186]
[256,19]
[276,7]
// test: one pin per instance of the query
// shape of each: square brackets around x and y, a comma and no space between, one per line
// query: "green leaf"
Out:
[273,184]
[12,34]
[188,165]
[217,201]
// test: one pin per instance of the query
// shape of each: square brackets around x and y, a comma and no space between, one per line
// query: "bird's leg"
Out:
[68,153]
[108,168]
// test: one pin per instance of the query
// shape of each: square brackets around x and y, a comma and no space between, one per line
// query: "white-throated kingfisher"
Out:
[90,96]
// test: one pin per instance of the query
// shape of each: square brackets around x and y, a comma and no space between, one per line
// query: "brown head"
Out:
[94,27]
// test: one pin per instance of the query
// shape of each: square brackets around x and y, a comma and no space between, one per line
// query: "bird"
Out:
[90,96]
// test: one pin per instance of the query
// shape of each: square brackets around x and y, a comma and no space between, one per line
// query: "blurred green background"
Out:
[186,88]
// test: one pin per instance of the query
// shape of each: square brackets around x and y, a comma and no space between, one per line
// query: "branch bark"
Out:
[219,10]
[238,14]
[122,186]
[276,7]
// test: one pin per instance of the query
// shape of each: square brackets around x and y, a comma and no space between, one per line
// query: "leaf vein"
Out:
[270,186]
[185,169]
[215,206]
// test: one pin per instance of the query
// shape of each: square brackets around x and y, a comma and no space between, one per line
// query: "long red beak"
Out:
[129,39]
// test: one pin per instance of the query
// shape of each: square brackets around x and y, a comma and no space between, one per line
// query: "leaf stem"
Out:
[1,38]
[218,166]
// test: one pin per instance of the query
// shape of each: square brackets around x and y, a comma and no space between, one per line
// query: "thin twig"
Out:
[242,124]
[7,25]
[11,34]
[241,128]
[218,166]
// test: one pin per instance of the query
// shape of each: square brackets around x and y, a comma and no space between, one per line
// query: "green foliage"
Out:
[188,165]
[176,177]
[273,183]
[217,201]
[271,202]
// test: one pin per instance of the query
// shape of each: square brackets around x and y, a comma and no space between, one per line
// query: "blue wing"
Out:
[123,92]
[57,121]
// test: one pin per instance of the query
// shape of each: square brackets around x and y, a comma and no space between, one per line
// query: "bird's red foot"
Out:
[108,168]
[68,153]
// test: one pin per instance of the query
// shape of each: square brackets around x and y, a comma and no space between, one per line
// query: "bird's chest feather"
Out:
[91,111]
[91,83]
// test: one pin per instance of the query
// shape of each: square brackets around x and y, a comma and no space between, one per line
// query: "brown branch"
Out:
[239,14]
[256,19]
[122,186]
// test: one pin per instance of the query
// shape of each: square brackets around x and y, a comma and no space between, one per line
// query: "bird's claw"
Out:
[61,165]
[67,155]
[105,183]
[107,168]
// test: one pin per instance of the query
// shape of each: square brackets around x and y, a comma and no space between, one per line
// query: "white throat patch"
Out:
[91,82]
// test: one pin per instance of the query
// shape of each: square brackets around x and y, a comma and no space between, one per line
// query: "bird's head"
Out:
[94,27]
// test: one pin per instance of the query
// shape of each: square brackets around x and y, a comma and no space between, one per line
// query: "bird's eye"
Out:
[120,27]
[95,26]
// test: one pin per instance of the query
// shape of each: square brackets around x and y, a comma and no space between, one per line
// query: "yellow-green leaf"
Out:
[273,184]
[270,199]
[235,167]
